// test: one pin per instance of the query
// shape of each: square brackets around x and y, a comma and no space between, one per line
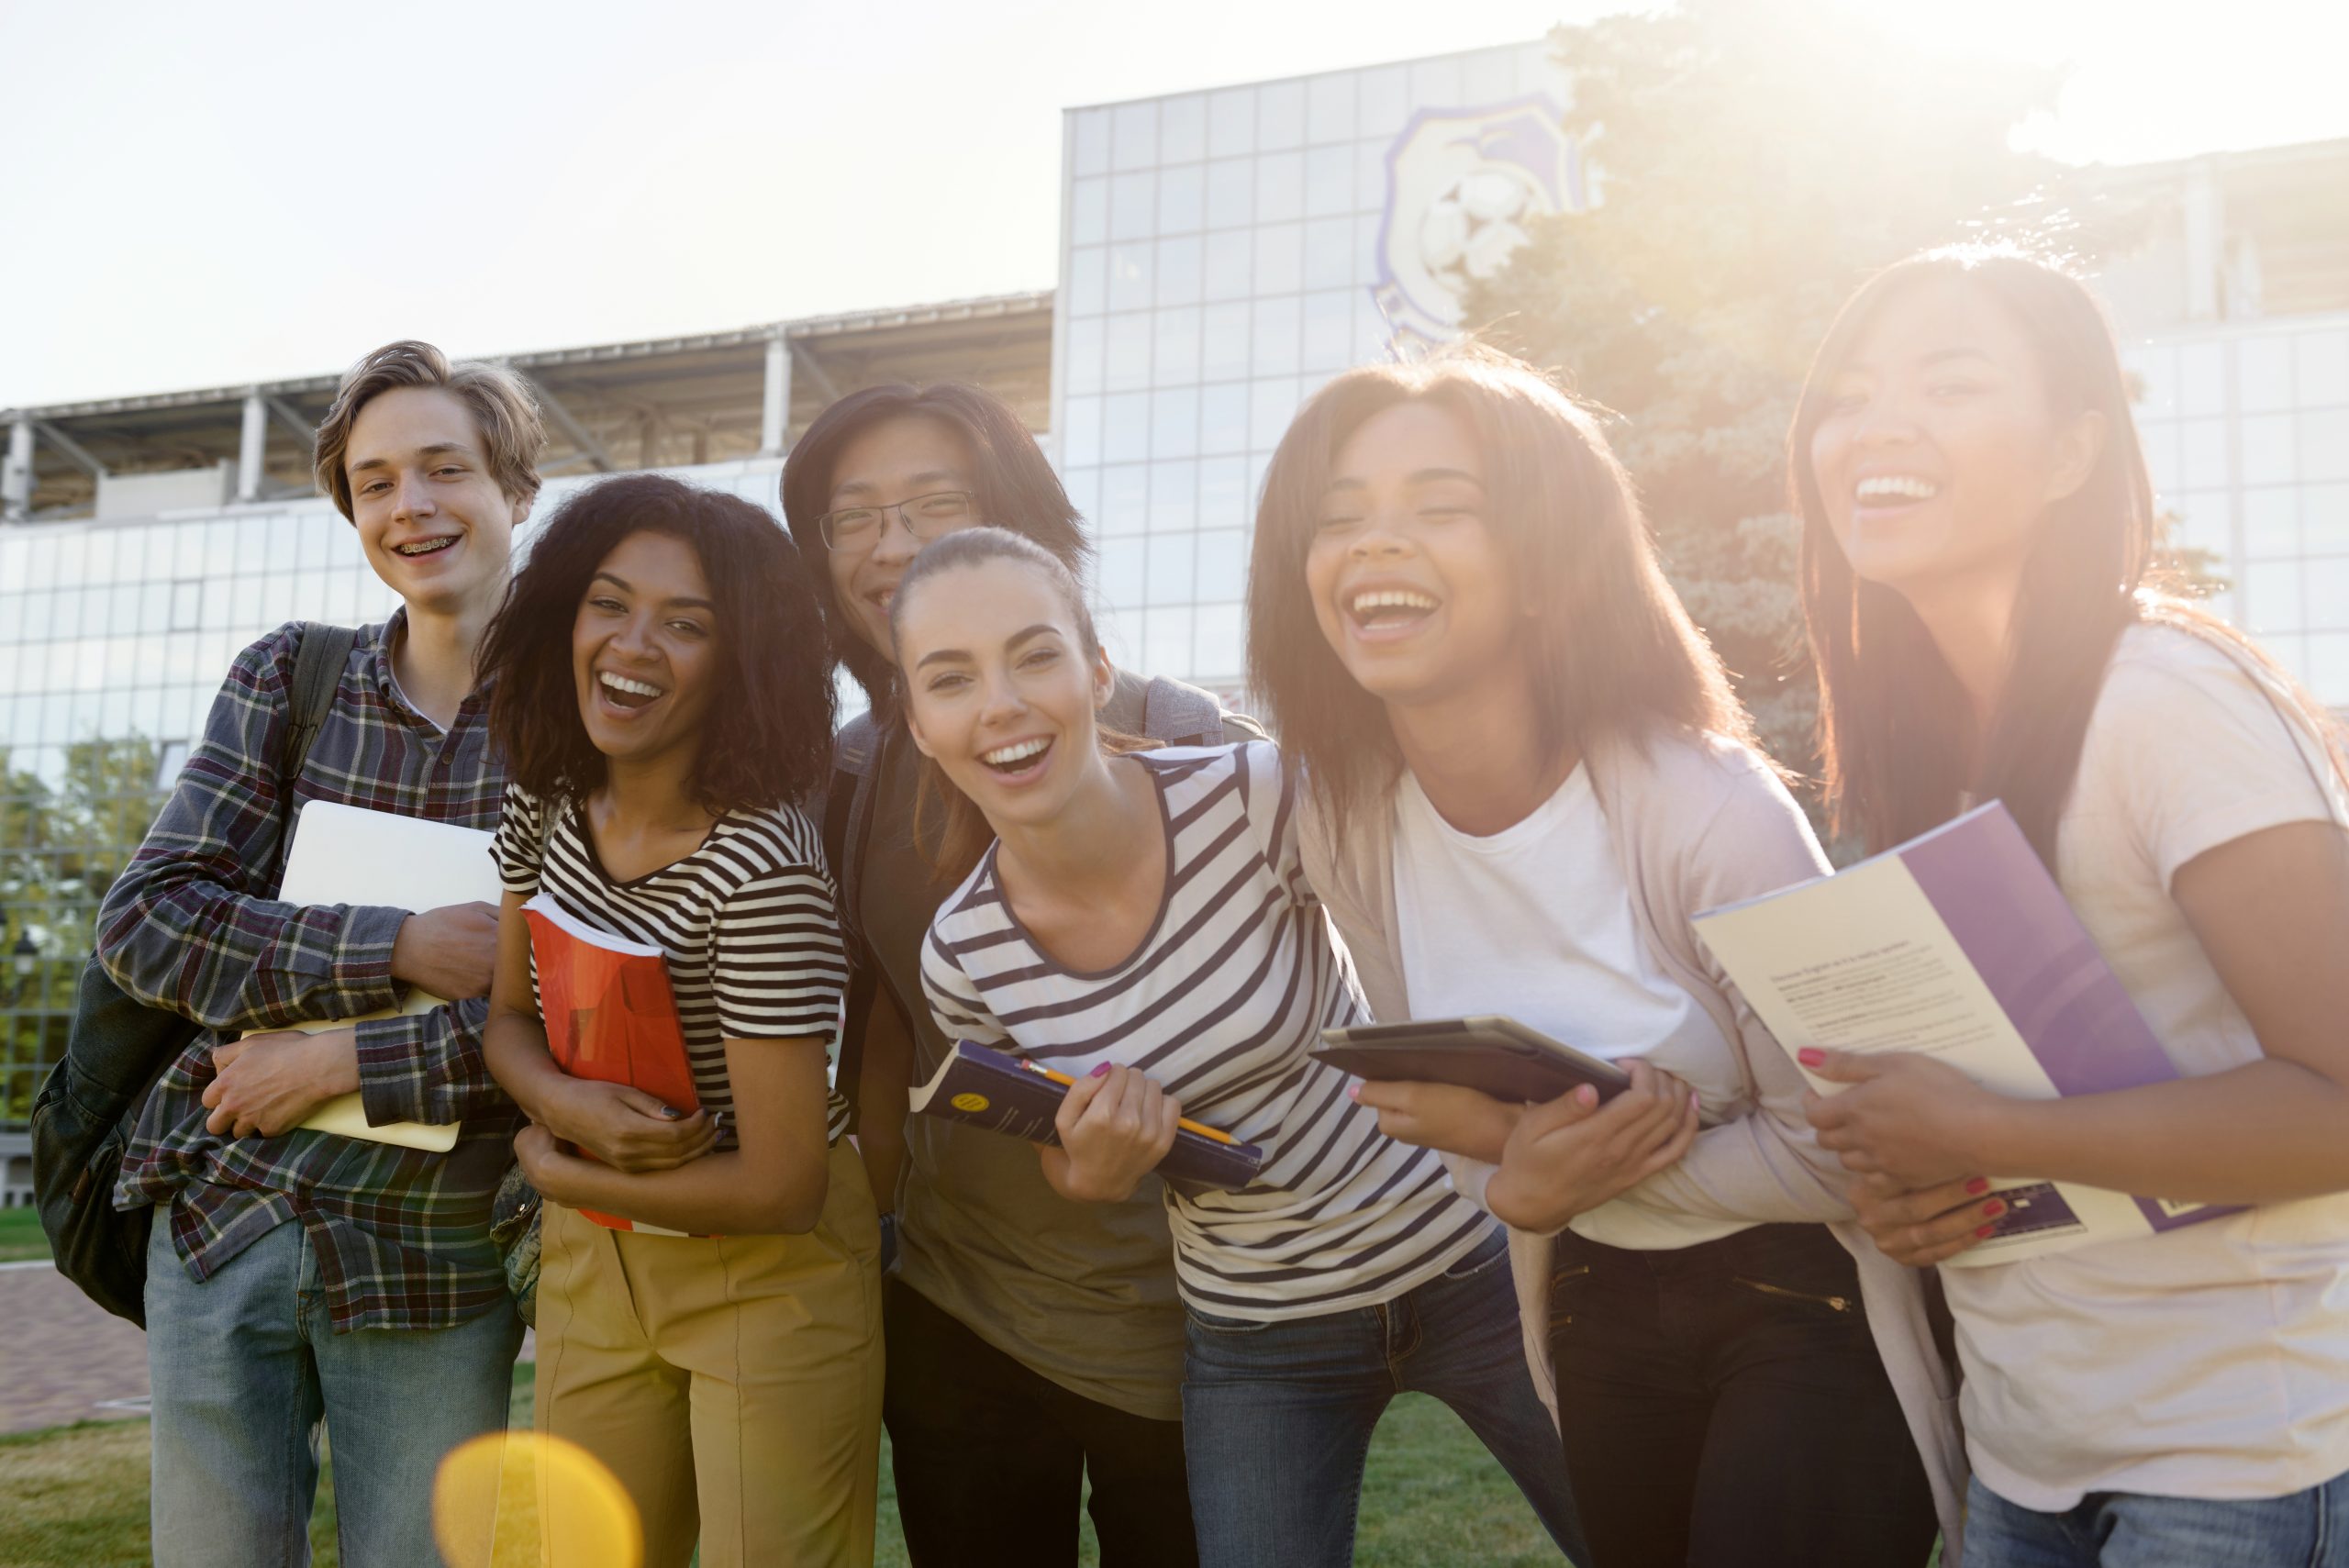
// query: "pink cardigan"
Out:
[1697,822]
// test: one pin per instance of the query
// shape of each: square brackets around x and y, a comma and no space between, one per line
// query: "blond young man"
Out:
[295,1275]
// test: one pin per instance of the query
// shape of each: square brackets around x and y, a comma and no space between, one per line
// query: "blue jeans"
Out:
[1278,1417]
[2129,1529]
[246,1363]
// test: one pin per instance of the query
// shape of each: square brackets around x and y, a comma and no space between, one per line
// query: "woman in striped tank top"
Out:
[714,1336]
[1141,922]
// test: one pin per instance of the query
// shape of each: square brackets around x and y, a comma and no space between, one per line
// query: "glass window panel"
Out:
[35,626]
[1133,206]
[346,550]
[2327,585]
[2205,443]
[2267,449]
[1223,417]
[1127,364]
[11,614]
[99,558]
[252,543]
[2271,597]
[1177,353]
[1130,275]
[1223,492]
[13,556]
[179,654]
[1280,258]
[187,548]
[1280,187]
[1274,331]
[2264,373]
[2204,524]
[1118,568]
[114,712]
[2324,519]
[1280,116]
[2327,669]
[1081,434]
[220,547]
[1223,564]
[1370,178]
[122,663]
[1091,129]
[1083,487]
[1174,428]
[1166,642]
[1125,499]
[155,600]
[1231,121]
[1170,572]
[1125,426]
[1330,180]
[1365,249]
[1174,496]
[2154,366]
[1087,279]
[1231,193]
[40,572]
[1489,76]
[1228,264]
[2324,444]
[2159,438]
[1084,340]
[188,605]
[278,604]
[2271,524]
[1329,330]
[1435,82]
[1327,262]
[1182,200]
[122,607]
[73,609]
[1088,211]
[1270,405]
[1329,107]
[1183,128]
[1220,645]
[215,602]
[1383,99]
[2202,378]
[244,606]
[284,542]
[1134,135]
[69,553]
[2321,368]
[1179,262]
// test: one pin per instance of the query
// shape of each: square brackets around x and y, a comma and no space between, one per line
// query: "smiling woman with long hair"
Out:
[1525,772]
[662,697]
[1976,527]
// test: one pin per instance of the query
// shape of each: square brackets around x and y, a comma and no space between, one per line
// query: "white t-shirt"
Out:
[2211,1362]
[1535,922]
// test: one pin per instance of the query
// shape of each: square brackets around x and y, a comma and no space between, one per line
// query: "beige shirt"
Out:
[2210,1362]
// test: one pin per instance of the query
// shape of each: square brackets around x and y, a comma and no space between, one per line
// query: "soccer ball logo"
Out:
[1461,185]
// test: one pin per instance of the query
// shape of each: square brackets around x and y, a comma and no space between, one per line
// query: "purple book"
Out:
[1958,944]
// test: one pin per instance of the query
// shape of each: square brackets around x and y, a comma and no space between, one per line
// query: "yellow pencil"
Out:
[1182,1121]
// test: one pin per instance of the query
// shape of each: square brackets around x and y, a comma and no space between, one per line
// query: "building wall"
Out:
[1221,257]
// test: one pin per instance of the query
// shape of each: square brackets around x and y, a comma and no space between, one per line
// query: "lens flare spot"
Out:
[494,1493]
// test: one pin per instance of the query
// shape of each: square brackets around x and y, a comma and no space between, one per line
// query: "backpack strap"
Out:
[322,654]
[1176,714]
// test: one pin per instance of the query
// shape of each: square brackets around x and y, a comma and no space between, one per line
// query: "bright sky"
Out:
[200,196]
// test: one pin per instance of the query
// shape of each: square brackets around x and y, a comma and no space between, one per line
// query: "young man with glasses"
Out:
[1032,1342]
[295,1275]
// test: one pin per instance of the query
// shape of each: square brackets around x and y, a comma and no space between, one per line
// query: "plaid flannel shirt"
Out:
[401,1235]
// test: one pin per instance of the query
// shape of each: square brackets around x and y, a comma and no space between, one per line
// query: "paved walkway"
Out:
[63,1360]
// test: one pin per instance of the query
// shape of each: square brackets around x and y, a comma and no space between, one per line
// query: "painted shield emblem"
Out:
[1460,185]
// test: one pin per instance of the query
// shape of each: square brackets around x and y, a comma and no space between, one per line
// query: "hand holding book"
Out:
[1115,1125]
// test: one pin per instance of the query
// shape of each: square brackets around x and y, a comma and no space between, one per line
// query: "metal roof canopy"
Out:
[653,402]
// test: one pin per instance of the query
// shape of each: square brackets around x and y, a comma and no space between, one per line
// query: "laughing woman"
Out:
[1527,772]
[1140,922]
[1977,521]
[663,698]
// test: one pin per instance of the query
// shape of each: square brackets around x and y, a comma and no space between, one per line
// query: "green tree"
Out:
[1755,162]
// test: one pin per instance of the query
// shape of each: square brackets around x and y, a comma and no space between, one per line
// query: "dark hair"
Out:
[963,837]
[768,737]
[1896,733]
[1017,489]
[499,401]
[1612,651]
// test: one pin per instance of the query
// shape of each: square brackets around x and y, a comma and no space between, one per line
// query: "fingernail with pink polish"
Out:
[1812,1057]
[1978,1185]
[1100,1072]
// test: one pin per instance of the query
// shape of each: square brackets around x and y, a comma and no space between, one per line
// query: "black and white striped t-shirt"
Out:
[1219,1005]
[747,923]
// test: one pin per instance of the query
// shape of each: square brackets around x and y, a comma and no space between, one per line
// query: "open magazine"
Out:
[984,1087]
[610,1016]
[347,854]
[1958,944]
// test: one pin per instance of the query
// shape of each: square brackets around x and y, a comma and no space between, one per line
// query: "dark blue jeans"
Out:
[1278,1417]
[1725,1409]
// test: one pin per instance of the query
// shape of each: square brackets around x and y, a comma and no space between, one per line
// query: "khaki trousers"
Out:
[731,1383]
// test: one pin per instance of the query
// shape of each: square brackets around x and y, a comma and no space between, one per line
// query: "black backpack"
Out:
[118,1047]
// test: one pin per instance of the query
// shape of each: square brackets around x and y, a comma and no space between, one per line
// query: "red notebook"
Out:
[610,1016]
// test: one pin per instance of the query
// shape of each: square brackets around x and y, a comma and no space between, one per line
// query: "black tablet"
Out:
[1495,1056]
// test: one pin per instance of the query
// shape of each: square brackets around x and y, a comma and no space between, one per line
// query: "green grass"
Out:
[77,1498]
[20,1236]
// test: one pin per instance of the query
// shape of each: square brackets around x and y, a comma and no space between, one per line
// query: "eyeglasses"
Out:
[857,529]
